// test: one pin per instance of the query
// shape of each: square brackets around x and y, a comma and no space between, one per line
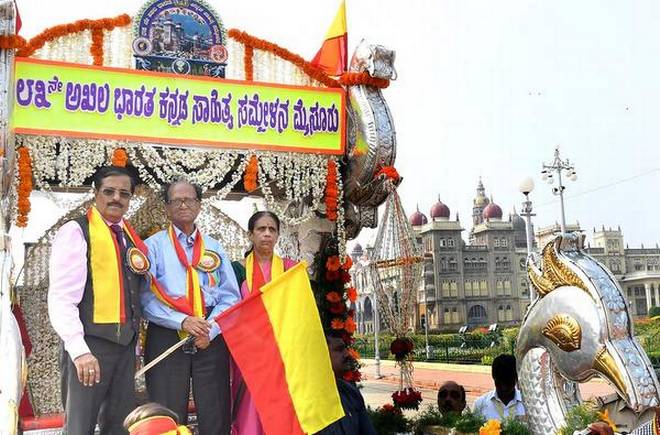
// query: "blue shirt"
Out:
[171,274]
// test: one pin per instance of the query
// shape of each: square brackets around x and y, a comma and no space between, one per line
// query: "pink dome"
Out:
[418,218]
[439,210]
[492,211]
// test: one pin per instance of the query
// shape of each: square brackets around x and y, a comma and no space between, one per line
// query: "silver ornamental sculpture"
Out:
[577,328]
[397,269]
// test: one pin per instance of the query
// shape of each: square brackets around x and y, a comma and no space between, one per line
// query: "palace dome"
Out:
[492,211]
[439,210]
[418,218]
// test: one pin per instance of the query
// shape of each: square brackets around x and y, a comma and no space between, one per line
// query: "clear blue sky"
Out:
[489,89]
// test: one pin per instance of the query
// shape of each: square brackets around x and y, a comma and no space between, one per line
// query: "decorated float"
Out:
[168,91]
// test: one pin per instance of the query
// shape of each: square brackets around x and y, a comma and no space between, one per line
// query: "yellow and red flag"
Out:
[276,339]
[332,57]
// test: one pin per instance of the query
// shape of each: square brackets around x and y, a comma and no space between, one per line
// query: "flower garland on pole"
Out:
[334,295]
[250,176]
[24,186]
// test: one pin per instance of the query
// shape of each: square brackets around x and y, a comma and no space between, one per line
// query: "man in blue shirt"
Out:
[192,283]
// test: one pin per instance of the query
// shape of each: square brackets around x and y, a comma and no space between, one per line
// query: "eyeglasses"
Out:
[453,394]
[110,193]
[189,202]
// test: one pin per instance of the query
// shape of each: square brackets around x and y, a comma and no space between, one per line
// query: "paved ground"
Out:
[429,376]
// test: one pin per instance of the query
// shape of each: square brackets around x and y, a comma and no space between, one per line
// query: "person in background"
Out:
[451,398]
[94,307]
[355,421]
[154,419]
[505,400]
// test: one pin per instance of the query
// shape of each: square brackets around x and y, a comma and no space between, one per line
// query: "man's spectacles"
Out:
[453,394]
[189,202]
[110,193]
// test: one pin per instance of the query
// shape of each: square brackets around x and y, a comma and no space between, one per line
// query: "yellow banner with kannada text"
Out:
[64,99]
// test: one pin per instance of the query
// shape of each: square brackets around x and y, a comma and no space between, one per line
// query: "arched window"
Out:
[499,288]
[447,316]
[368,310]
[454,289]
[509,313]
[477,314]
[500,314]
[454,315]
[450,243]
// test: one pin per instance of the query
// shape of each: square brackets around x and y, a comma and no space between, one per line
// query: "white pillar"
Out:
[647,287]
[657,295]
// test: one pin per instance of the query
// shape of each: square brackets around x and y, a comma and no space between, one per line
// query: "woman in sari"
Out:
[259,267]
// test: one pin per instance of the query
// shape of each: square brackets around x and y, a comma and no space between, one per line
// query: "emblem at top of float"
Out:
[180,37]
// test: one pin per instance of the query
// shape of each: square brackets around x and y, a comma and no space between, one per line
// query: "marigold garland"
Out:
[333,263]
[347,79]
[348,263]
[250,174]
[309,69]
[24,186]
[58,31]
[351,293]
[390,172]
[248,60]
[331,191]
[119,157]
[97,46]
[333,297]
[11,42]
[362,78]
[337,324]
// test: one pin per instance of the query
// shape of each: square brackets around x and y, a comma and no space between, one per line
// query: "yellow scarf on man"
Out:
[107,276]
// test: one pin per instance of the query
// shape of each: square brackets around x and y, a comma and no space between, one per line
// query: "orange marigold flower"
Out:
[349,325]
[119,157]
[352,294]
[353,354]
[332,263]
[348,263]
[337,324]
[333,297]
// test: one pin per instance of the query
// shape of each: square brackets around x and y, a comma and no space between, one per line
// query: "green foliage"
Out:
[469,422]
[579,417]
[431,416]
[654,311]
[388,420]
[512,426]
[487,360]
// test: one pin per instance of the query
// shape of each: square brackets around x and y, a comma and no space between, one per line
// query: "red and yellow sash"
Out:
[106,270]
[193,303]
[157,425]
[254,276]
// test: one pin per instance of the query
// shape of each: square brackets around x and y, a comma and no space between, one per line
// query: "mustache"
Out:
[116,204]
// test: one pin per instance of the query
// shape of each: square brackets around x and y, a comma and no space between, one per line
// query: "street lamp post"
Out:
[376,325]
[376,331]
[526,187]
[426,325]
[557,166]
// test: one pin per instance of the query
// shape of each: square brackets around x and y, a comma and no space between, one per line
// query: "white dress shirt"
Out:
[492,408]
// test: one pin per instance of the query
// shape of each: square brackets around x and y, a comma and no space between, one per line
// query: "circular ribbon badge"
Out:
[209,262]
[137,261]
